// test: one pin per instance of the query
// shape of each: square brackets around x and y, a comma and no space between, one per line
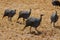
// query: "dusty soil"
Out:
[12,30]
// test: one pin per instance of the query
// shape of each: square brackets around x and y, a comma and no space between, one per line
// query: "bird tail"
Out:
[3,16]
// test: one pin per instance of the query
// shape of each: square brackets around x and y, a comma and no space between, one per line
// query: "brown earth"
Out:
[12,30]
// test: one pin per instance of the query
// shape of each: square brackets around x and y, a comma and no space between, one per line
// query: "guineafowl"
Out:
[33,22]
[24,14]
[55,3]
[54,18]
[10,13]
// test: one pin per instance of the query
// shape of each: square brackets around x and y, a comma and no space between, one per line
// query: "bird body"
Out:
[55,2]
[54,17]
[12,13]
[33,22]
[7,11]
[24,14]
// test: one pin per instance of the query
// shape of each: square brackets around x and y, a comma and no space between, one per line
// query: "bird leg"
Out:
[9,18]
[18,18]
[23,21]
[36,30]
[30,29]
[53,24]
[23,29]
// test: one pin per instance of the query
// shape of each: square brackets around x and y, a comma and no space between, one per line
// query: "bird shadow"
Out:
[57,27]
[33,32]
[19,22]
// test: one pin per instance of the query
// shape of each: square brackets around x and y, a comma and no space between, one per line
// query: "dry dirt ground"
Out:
[12,30]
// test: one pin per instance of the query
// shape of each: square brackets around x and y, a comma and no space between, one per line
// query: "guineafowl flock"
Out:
[32,21]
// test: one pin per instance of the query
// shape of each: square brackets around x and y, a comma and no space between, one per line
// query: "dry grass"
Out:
[12,30]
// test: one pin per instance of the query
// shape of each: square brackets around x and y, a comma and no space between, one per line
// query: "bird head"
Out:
[56,11]
[42,15]
[15,9]
[30,9]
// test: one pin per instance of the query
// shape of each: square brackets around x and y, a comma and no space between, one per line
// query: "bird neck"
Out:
[30,11]
[40,18]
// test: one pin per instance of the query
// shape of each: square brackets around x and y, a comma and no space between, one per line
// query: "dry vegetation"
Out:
[12,30]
